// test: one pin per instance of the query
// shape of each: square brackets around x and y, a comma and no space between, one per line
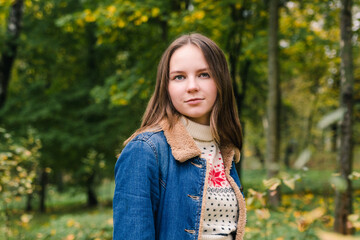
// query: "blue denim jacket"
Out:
[160,186]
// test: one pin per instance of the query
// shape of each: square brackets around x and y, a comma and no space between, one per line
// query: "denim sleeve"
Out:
[136,192]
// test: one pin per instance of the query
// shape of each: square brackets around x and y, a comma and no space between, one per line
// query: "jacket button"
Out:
[190,231]
[196,165]
[193,197]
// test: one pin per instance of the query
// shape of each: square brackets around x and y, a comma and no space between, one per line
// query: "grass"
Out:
[80,224]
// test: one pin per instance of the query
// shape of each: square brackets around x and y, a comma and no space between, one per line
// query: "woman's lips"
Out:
[194,101]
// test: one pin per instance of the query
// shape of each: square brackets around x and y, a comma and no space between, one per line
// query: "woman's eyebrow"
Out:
[177,71]
[203,69]
[198,70]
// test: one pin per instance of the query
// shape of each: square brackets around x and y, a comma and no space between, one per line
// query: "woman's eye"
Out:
[179,77]
[204,75]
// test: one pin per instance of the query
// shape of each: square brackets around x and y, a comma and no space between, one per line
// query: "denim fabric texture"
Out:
[158,197]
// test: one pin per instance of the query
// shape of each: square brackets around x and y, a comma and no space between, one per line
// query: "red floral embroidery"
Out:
[216,178]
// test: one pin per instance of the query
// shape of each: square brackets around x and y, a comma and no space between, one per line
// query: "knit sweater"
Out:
[221,208]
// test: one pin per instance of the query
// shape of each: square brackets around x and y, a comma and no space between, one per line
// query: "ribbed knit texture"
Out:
[221,212]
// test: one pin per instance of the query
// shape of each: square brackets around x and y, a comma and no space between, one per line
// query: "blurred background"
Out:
[75,78]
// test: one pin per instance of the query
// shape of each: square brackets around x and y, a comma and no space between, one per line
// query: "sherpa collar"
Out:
[183,146]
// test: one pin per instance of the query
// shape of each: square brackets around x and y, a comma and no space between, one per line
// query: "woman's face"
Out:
[191,87]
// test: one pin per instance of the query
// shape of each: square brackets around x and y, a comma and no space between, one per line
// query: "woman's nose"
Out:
[192,85]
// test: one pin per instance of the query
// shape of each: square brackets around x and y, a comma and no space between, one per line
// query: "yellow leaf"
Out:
[28,4]
[111,9]
[110,221]
[290,183]
[27,153]
[314,215]
[25,218]
[271,183]
[297,214]
[354,175]
[121,23]
[80,22]
[155,12]
[123,102]
[144,18]
[53,232]
[187,19]
[138,22]
[70,222]
[353,217]
[334,236]
[137,13]
[90,18]
[69,237]
[262,213]
[199,15]
[141,80]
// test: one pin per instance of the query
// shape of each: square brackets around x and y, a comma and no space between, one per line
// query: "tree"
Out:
[234,49]
[343,197]
[9,52]
[273,131]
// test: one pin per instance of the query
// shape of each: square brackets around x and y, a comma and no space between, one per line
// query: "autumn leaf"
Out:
[262,213]
[69,237]
[354,176]
[334,236]
[290,183]
[25,218]
[271,183]
[309,217]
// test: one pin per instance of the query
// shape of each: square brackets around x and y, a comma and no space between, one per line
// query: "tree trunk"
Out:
[343,199]
[10,48]
[310,119]
[334,137]
[28,206]
[60,181]
[288,151]
[273,109]
[43,185]
[234,46]
[91,195]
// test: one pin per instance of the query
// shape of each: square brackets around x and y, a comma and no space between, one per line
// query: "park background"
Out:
[75,77]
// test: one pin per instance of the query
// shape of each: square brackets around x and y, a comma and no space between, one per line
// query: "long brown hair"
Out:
[224,121]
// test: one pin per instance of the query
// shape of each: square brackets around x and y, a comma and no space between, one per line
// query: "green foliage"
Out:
[18,170]
[18,164]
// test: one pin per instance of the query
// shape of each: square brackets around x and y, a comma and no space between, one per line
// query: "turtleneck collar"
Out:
[197,131]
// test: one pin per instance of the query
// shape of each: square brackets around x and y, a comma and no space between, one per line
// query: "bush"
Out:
[18,165]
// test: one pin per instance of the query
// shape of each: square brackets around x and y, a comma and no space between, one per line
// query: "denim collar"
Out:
[183,146]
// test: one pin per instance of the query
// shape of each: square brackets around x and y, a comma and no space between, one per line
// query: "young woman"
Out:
[176,177]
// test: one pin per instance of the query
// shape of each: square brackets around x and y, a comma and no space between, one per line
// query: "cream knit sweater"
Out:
[221,212]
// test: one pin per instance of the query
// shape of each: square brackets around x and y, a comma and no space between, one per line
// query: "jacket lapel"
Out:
[183,146]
